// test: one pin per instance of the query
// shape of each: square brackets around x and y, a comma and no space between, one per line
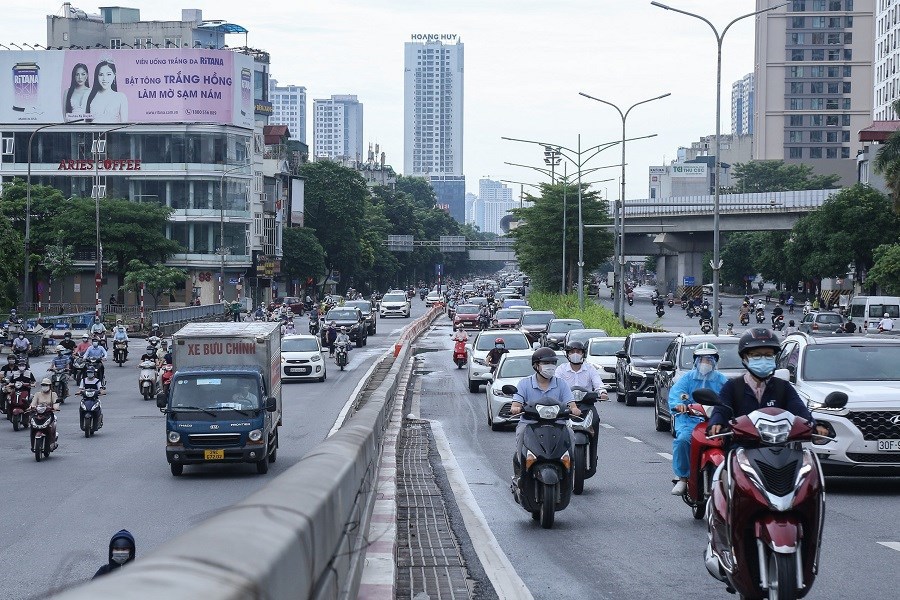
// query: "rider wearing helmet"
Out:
[67,342]
[343,337]
[493,357]
[578,373]
[83,345]
[702,376]
[45,396]
[886,323]
[121,551]
[757,349]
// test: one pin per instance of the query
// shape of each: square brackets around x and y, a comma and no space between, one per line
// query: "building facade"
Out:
[734,148]
[694,177]
[494,202]
[289,108]
[742,95]
[433,116]
[338,128]
[814,71]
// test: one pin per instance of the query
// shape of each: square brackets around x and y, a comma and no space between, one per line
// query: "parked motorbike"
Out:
[341,355]
[90,413]
[778,323]
[583,426]
[44,438]
[19,400]
[766,510]
[706,455]
[460,354]
[705,326]
[147,379]
[544,483]
[78,367]
[120,351]
[760,315]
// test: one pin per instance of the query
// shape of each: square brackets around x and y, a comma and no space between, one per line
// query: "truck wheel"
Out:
[262,467]
[177,469]
[274,453]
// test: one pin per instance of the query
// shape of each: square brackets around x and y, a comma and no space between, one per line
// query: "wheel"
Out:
[15,422]
[177,469]
[473,386]
[699,510]
[342,367]
[782,570]
[322,378]
[630,399]
[579,466]
[262,467]
[548,506]
[37,455]
[661,424]
[359,342]
[536,515]
[87,429]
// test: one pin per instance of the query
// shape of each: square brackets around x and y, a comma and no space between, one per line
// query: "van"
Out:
[867,311]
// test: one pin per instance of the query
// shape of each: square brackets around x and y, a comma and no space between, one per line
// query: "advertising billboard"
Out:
[176,85]
[689,170]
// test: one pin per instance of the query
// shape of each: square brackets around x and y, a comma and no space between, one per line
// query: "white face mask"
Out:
[704,368]
[121,556]
[576,358]
[547,371]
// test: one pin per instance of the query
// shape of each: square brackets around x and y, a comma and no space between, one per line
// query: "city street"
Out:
[627,536]
[61,512]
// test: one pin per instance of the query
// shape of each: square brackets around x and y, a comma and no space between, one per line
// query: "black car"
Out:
[637,363]
[534,324]
[365,307]
[351,318]
[557,330]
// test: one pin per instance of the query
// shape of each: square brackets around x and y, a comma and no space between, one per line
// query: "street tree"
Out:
[778,176]
[887,161]
[11,262]
[885,273]
[738,259]
[418,189]
[304,257]
[57,262]
[158,279]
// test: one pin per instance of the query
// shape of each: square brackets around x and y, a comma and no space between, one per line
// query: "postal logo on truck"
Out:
[219,348]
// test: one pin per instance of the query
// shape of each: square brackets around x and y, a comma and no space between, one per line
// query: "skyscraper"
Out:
[742,105]
[338,128]
[433,116]
[887,57]
[494,202]
[289,108]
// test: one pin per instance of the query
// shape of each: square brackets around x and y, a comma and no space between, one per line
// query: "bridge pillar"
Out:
[667,273]
[689,259]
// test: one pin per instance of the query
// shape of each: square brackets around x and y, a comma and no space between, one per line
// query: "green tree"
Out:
[418,189]
[304,256]
[778,176]
[886,270]
[157,279]
[887,161]
[58,263]
[11,262]
[738,258]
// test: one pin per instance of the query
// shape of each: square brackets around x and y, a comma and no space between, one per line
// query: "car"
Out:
[369,313]
[433,298]
[477,300]
[507,319]
[466,315]
[522,308]
[557,329]
[583,336]
[821,322]
[679,359]
[534,324]
[511,301]
[867,311]
[513,366]
[636,365]
[478,370]
[867,429]
[601,352]
[301,358]
[394,304]
[351,318]
[293,302]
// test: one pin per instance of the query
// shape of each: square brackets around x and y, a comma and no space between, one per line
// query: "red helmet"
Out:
[499,341]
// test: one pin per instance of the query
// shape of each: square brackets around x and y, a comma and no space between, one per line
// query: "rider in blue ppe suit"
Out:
[703,375]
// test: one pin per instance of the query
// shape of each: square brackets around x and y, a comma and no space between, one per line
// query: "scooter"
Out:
[147,379]
[460,354]
[767,502]
[544,482]
[630,298]
[90,412]
[44,438]
[583,427]
[706,455]
[4,398]
[745,319]
[760,315]
[660,311]
[18,405]
[78,366]
[313,325]
[60,385]
[705,326]
[670,302]
[778,323]
[341,355]
[120,351]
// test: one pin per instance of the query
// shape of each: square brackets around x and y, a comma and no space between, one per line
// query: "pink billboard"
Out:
[128,86]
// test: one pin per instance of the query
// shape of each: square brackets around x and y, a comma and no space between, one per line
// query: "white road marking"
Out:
[891,545]
[606,426]
[506,582]
[633,439]
[359,386]
[665,455]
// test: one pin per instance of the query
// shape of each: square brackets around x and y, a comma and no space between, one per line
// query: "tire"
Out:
[342,367]
[262,467]
[37,456]
[473,386]
[15,422]
[87,428]
[579,467]
[630,399]
[661,424]
[177,469]
[548,506]
[782,576]
[699,511]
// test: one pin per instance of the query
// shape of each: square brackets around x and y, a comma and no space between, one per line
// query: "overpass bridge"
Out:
[497,249]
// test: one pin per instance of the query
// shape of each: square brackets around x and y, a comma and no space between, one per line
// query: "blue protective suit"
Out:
[684,424]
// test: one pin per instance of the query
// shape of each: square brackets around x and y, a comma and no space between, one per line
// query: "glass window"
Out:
[796,120]
[798,5]
[816,87]
[797,22]
[845,120]
[815,136]
[728,356]
[817,103]
[845,152]
[795,104]
[796,72]
[649,346]
[818,39]
[796,87]
[833,87]
[848,54]
[815,152]
[831,153]
[817,54]
[846,87]
[816,120]
[832,120]
[834,5]
[851,363]
[845,136]
[831,104]
[834,55]
[848,22]
[831,137]
[795,137]
[817,71]
[796,39]
[848,38]
[834,72]
[795,153]
[796,55]
[817,22]
[845,103]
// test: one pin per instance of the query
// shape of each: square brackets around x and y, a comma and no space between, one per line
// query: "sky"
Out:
[525,63]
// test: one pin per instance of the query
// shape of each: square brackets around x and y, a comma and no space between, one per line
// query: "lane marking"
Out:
[606,426]
[633,439]
[359,386]
[665,455]
[506,582]
[891,545]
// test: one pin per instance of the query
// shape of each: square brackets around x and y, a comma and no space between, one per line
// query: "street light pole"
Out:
[716,263]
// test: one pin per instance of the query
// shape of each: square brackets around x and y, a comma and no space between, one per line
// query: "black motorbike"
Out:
[778,322]
[684,305]
[341,355]
[90,412]
[630,299]
[705,326]
[584,463]
[760,316]
[691,311]
[670,302]
[543,484]
[78,367]
[59,382]
[313,326]
[120,351]
[660,311]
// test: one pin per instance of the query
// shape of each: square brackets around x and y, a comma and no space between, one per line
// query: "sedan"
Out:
[601,352]
[479,372]
[301,358]
[433,298]
[557,329]
[466,315]
[534,324]
[512,368]
[507,319]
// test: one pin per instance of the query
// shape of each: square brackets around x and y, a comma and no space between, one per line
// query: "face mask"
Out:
[761,366]
[121,556]
[704,368]
[499,346]
[96,344]
[576,358]
[547,371]
[45,388]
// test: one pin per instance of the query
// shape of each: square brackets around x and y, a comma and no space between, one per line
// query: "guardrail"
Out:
[302,536]
[186,314]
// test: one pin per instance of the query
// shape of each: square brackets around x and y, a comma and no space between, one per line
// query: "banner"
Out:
[174,85]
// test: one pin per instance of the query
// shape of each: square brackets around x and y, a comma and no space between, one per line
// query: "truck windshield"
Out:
[215,392]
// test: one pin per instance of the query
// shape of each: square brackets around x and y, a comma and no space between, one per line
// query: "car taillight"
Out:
[815,326]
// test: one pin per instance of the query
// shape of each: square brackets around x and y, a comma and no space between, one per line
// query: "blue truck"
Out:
[224,400]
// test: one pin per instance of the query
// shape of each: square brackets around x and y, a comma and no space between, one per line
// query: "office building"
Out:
[433,116]
[289,108]
[470,208]
[887,59]
[694,177]
[814,70]
[734,148]
[742,106]
[494,202]
[338,128]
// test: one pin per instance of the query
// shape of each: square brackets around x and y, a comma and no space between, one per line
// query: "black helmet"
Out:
[575,346]
[758,337]
[543,354]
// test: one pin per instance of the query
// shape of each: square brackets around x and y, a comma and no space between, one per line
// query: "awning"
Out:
[879,131]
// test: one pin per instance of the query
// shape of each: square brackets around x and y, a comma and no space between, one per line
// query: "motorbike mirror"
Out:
[271,404]
[161,402]
[783,374]
[835,400]
[706,397]
[509,389]
[666,365]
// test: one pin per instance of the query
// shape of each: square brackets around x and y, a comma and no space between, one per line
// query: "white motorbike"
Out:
[147,379]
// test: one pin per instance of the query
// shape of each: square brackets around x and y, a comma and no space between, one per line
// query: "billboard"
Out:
[689,170]
[175,85]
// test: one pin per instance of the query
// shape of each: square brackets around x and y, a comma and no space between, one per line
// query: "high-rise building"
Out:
[814,66]
[338,128]
[887,58]
[494,202]
[433,116]
[289,108]
[742,105]
[470,208]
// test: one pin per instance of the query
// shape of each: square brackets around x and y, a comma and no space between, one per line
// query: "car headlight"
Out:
[283,360]
[316,358]
[174,437]
[255,435]
[499,392]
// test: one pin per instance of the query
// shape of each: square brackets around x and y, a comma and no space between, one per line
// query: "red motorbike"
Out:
[43,432]
[19,400]
[460,354]
[766,509]
[706,455]
[166,378]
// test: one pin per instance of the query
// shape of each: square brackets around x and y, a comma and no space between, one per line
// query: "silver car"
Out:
[511,369]
[479,372]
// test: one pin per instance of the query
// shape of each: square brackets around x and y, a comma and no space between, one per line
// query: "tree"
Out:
[58,263]
[419,191]
[157,279]
[11,261]
[886,270]
[778,176]
[737,258]
[304,256]
[887,161]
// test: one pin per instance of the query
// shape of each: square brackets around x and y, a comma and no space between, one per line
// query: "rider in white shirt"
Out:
[886,324]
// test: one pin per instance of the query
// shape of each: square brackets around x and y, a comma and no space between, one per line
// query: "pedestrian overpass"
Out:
[498,249]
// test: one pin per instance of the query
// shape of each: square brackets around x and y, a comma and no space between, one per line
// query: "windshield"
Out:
[515,341]
[605,347]
[536,318]
[650,346]
[394,298]
[851,363]
[364,306]
[341,315]
[215,392]
[299,345]
[508,314]
[515,366]
[467,309]
[585,335]
[563,326]
[728,356]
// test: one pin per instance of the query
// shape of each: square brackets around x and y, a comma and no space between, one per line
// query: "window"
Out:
[815,153]
[817,103]
[832,121]
[817,71]
[831,137]
[848,54]
[847,70]
[815,137]
[818,5]
[834,5]
[816,87]
[834,72]
[796,87]
[797,39]
[795,137]
[845,136]
[848,22]
[831,104]
[816,120]
[817,55]
[115,43]
[834,55]
[798,5]
[795,104]
[817,22]
[796,120]
[834,22]
[795,152]
[818,39]
[845,103]
[834,39]
[845,120]
[831,152]
[846,87]
[798,22]
[848,38]
[845,152]
[832,88]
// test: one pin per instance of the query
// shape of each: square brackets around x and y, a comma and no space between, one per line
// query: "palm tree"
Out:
[887,161]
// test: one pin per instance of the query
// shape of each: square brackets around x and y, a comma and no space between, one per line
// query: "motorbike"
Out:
[684,305]
[59,384]
[120,351]
[313,326]
[484,321]
[705,326]
[78,366]
[630,298]
[760,315]
[778,323]
[147,379]
[720,309]
[544,483]
[18,405]
[745,319]
[706,455]
[341,355]
[660,311]
[4,398]
[97,364]
[670,302]
[583,426]
[90,412]
[766,510]
[166,378]
[101,338]
[460,354]
[44,438]
[22,354]
[422,296]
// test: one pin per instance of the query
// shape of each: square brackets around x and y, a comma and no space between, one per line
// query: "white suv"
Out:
[394,304]
[867,429]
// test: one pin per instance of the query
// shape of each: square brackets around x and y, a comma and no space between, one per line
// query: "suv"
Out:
[534,324]
[368,312]
[557,329]
[351,318]
[394,304]
[679,359]
[867,429]
[821,322]
[636,365]
[479,371]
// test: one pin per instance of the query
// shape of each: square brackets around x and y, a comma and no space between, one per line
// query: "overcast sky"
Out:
[525,62]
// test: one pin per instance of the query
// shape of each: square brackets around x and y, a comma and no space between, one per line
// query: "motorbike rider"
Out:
[330,337]
[886,323]
[660,303]
[98,352]
[45,396]
[484,314]
[578,373]
[545,388]
[98,329]
[807,307]
[10,367]
[60,364]
[21,345]
[68,343]
[760,305]
[121,551]
[460,335]
[90,381]
[155,331]
[850,326]
[343,338]
[499,349]
[120,334]
[703,375]
[757,349]
[83,346]
[705,313]
[777,312]
[744,310]
[22,373]
[729,330]
[790,304]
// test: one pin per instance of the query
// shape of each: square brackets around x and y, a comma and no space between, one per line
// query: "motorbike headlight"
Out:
[174,437]
[547,411]
[255,435]
[773,432]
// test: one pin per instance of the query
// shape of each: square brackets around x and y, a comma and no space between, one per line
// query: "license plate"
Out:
[214,455]
[299,370]
[889,445]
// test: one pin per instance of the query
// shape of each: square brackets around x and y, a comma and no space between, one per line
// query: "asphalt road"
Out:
[627,536]
[60,513]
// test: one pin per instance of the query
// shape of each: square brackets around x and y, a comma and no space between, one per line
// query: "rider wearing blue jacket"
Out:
[703,375]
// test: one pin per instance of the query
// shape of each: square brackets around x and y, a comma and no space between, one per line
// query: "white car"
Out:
[479,372]
[394,304]
[433,298]
[301,358]
[512,368]
[601,352]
